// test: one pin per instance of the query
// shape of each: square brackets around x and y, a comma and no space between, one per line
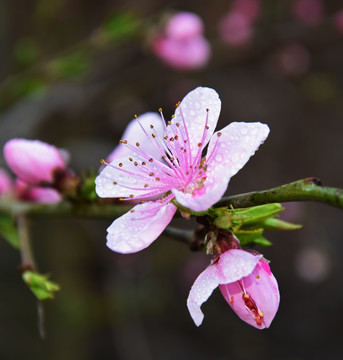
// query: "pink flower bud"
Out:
[182,45]
[5,183]
[37,194]
[250,8]
[33,161]
[236,28]
[254,298]
[184,25]
[338,21]
[309,12]
[246,283]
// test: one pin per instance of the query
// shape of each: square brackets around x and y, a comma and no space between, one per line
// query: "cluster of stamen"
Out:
[174,166]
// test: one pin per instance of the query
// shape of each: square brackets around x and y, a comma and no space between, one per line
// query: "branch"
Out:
[308,189]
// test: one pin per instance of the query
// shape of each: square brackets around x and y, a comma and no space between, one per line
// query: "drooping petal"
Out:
[262,289]
[134,133]
[201,290]
[33,161]
[231,266]
[124,178]
[191,116]
[138,228]
[226,155]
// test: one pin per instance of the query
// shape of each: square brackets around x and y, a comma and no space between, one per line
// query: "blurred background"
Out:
[73,73]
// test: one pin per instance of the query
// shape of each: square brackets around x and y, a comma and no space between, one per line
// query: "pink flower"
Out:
[236,28]
[37,194]
[175,169]
[5,183]
[33,161]
[182,46]
[246,283]
[310,12]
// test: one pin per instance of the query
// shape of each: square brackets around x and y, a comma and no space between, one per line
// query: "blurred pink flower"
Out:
[236,28]
[247,284]
[294,59]
[33,161]
[5,182]
[250,8]
[338,21]
[310,12]
[173,168]
[183,46]
[37,194]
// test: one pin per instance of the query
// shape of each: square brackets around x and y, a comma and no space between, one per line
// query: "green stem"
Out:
[308,189]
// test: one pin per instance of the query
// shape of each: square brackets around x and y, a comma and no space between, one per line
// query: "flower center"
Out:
[175,163]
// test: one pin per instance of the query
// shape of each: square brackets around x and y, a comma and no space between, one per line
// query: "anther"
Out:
[169,122]
[131,196]
[146,185]
[151,126]
[177,104]
[132,210]
[120,164]
[136,163]
[121,199]
[153,135]
[143,163]
[219,134]
[151,159]
[171,159]
[114,183]
[165,137]
[136,116]
[151,174]
[200,144]
[171,139]
[207,127]
[130,158]
[160,110]
[102,161]
[137,143]
[157,179]
[177,124]
[257,276]
[176,137]
[207,109]
[173,118]
[231,299]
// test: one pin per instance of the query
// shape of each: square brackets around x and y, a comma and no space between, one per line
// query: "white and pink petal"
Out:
[138,228]
[191,116]
[134,133]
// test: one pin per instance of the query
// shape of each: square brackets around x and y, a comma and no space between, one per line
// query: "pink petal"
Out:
[201,290]
[122,178]
[138,228]
[134,133]
[262,287]
[192,113]
[231,266]
[235,264]
[33,161]
[237,143]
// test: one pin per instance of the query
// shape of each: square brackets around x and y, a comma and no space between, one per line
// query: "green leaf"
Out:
[39,284]
[119,26]
[8,230]
[277,224]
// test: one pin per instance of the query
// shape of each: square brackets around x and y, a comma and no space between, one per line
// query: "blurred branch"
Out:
[309,189]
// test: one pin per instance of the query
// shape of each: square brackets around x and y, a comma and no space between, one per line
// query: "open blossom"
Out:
[33,161]
[247,284]
[175,169]
[183,46]
[236,28]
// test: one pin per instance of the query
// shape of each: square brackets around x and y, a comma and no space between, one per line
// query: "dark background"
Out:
[127,307]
